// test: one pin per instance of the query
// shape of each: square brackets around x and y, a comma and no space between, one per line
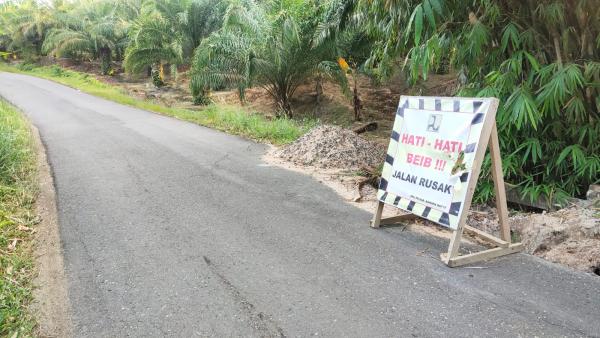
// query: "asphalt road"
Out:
[171,229]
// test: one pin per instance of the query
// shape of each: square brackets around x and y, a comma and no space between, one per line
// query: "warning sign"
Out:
[430,156]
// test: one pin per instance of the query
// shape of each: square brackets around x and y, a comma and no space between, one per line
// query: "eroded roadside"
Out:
[334,156]
[51,303]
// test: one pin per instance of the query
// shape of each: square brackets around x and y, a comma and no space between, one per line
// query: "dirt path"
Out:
[51,305]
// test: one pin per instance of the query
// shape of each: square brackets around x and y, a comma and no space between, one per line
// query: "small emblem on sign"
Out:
[433,125]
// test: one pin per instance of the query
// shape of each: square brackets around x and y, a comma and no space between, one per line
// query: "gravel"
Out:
[332,147]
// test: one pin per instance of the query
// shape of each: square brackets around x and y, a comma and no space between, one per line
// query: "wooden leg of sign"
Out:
[378,221]
[503,245]
[377,217]
[484,236]
[454,246]
[498,178]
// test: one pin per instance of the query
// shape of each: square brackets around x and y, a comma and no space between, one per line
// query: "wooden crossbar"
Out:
[487,237]
[481,255]
[392,220]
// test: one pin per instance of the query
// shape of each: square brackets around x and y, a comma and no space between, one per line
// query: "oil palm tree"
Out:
[152,46]
[167,32]
[24,26]
[254,47]
[345,39]
[92,32]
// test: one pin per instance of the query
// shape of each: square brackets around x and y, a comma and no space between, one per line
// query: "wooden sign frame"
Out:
[502,245]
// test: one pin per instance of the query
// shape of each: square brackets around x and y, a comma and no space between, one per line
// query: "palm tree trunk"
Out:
[282,97]
[286,108]
[105,60]
[319,95]
[156,79]
[242,94]
[356,99]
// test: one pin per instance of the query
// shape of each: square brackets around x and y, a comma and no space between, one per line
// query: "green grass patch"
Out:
[18,188]
[231,119]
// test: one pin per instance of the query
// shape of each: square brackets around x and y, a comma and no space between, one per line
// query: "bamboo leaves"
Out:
[418,19]
[522,108]
[427,10]
[510,34]
[540,59]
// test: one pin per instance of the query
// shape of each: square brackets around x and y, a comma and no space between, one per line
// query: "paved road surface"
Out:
[171,229]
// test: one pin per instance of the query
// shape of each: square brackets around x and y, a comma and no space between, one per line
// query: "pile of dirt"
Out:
[329,146]
[568,236]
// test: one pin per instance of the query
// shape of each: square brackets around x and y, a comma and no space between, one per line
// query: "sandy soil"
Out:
[570,236]
[51,305]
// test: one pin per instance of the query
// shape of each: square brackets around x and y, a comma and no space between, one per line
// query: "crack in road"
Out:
[262,323]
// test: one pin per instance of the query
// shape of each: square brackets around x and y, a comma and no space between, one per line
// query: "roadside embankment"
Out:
[341,159]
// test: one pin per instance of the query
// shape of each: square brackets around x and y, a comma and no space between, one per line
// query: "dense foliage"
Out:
[540,58]
[92,31]
[268,46]
[167,32]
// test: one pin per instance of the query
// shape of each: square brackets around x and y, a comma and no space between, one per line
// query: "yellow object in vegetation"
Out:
[343,64]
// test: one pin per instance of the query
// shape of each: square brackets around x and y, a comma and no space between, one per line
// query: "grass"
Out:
[18,188]
[231,119]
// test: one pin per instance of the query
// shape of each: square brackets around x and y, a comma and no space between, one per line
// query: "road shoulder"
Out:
[51,305]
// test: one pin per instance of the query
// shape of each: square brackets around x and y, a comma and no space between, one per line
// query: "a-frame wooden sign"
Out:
[432,166]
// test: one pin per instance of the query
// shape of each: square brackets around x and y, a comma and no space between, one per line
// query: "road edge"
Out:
[51,305]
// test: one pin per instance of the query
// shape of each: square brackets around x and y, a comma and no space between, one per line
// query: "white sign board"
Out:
[431,153]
